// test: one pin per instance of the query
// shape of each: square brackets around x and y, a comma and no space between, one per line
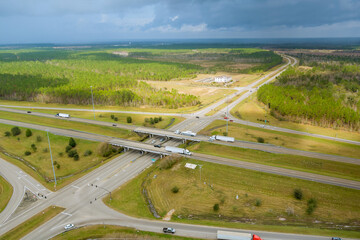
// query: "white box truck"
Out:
[227,235]
[186,133]
[222,138]
[178,150]
[63,115]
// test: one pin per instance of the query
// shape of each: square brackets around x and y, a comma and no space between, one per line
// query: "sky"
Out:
[81,21]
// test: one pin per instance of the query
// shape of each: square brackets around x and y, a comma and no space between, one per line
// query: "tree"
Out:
[28,133]
[7,134]
[298,193]
[175,189]
[68,148]
[216,207]
[129,119]
[72,142]
[15,131]
[33,147]
[27,153]
[72,153]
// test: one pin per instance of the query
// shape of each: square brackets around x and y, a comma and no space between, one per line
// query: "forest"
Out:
[325,94]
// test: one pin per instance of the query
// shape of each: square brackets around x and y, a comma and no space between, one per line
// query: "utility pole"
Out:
[200,172]
[52,163]
[92,98]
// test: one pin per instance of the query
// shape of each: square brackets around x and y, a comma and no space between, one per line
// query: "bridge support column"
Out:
[183,141]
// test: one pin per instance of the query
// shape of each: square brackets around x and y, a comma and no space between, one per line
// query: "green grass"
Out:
[220,184]
[31,224]
[6,191]
[61,123]
[113,232]
[40,159]
[251,110]
[137,119]
[222,106]
[288,140]
[293,162]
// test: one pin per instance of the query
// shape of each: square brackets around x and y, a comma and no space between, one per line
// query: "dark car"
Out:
[28,111]
[335,238]
[197,117]
[114,125]
[157,145]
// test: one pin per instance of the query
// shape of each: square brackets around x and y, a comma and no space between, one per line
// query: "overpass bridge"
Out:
[141,147]
[169,134]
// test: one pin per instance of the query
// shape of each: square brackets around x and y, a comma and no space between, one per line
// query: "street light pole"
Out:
[92,98]
[52,163]
[200,172]
[227,116]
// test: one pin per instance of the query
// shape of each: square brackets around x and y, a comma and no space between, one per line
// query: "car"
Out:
[197,117]
[335,238]
[162,139]
[231,120]
[28,111]
[153,141]
[69,226]
[169,230]
[114,125]
[157,145]
[226,118]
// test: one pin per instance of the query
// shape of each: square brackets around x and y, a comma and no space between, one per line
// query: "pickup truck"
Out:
[169,230]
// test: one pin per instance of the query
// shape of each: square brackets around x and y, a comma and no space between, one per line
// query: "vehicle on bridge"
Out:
[169,230]
[186,133]
[63,115]
[178,150]
[227,235]
[221,138]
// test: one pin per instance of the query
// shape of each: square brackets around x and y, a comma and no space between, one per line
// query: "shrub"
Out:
[61,154]
[312,204]
[225,133]
[72,142]
[33,147]
[87,153]
[28,133]
[156,120]
[147,120]
[76,157]
[216,207]
[58,166]
[55,163]
[116,119]
[112,116]
[45,150]
[38,138]
[260,140]
[151,121]
[175,189]
[104,149]
[27,153]
[160,119]
[15,131]
[7,134]
[72,153]
[168,162]
[129,119]
[298,193]
[68,148]
[258,202]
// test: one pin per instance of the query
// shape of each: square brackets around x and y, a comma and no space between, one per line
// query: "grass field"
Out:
[25,228]
[6,191]
[137,119]
[61,123]
[288,140]
[312,165]
[252,110]
[40,158]
[264,200]
[222,106]
[114,232]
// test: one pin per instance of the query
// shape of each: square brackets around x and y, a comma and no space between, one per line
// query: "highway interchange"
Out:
[82,201]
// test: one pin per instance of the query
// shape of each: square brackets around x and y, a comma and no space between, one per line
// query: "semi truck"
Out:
[186,133]
[222,138]
[227,235]
[63,115]
[178,150]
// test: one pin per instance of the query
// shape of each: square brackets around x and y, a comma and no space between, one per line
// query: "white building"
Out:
[222,79]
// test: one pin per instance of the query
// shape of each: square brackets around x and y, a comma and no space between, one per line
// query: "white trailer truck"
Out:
[186,133]
[222,138]
[227,235]
[63,115]
[178,150]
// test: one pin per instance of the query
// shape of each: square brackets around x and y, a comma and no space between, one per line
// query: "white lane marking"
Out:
[67,214]
[75,186]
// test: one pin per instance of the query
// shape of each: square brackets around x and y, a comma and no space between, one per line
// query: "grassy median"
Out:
[288,140]
[6,191]
[30,225]
[244,198]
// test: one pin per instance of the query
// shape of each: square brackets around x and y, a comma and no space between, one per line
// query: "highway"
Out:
[82,199]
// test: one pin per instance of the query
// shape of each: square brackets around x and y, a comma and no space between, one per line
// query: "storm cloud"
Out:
[24,21]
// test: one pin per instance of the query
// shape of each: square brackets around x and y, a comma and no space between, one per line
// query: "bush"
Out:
[58,166]
[33,147]
[112,116]
[72,153]
[45,150]
[160,119]
[147,120]
[72,142]
[104,149]
[27,153]
[260,140]
[68,148]
[129,119]
[175,189]
[216,207]
[312,204]
[61,154]
[87,153]
[258,202]
[28,133]
[152,121]
[156,120]
[7,134]
[225,133]
[76,157]
[168,162]
[298,194]
[116,119]
[38,138]
[15,131]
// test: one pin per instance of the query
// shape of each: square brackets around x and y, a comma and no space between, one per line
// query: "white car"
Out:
[69,226]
